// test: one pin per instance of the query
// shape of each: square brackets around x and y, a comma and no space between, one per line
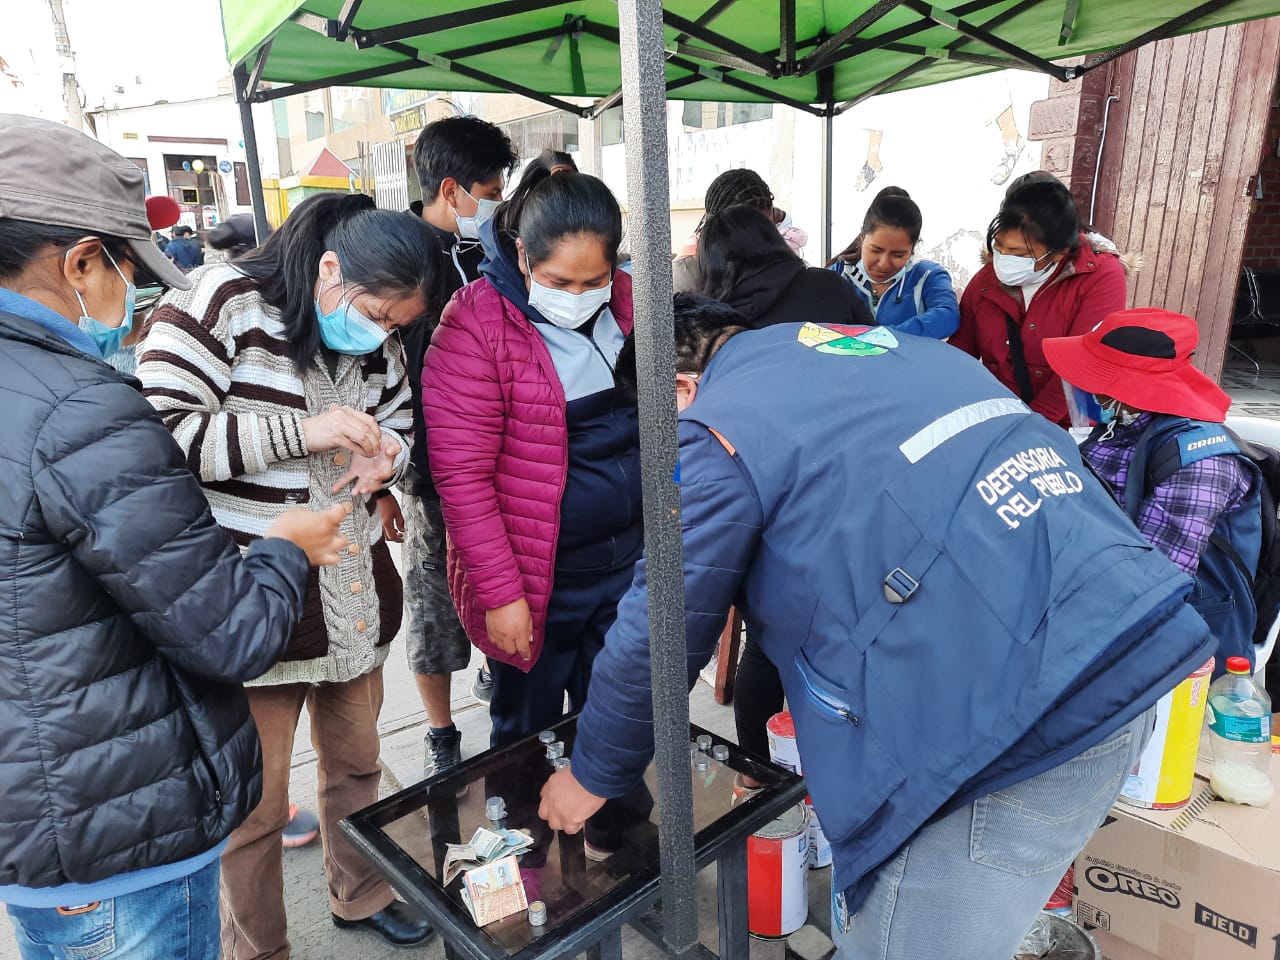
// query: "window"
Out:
[611,126]
[708,116]
[532,135]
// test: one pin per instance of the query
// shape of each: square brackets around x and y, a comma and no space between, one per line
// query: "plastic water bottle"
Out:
[1239,716]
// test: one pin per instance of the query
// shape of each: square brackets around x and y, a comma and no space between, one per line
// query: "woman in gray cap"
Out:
[128,619]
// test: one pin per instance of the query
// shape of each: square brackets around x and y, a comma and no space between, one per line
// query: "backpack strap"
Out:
[1166,446]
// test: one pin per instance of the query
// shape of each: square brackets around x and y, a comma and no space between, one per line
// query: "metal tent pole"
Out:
[644,102]
[828,187]
[260,225]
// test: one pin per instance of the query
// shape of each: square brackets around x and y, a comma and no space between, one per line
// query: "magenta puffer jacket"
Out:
[499,452]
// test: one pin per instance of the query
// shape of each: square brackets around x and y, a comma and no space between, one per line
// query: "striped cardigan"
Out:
[215,365]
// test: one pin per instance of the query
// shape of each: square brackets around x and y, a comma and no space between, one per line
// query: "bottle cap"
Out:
[720,752]
[704,742]
[555,750]
[537,913]
[546,736]
[702,761]
[1238,665]
[495,808]
[560,763]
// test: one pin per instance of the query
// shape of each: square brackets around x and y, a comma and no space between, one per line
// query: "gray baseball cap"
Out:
[54,175]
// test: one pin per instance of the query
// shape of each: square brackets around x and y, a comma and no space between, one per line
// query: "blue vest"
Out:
[1223,591]
[953,601]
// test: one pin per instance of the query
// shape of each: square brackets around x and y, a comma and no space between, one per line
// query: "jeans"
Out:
[969,886]
[177,920]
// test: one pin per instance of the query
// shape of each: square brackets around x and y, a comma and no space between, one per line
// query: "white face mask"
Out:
[469,227]
[1019,271]
[563,309]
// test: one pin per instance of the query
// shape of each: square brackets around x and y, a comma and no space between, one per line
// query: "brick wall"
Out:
[1262,241]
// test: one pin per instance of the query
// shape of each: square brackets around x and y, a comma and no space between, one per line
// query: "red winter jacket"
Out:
[499,452]
[1084,290]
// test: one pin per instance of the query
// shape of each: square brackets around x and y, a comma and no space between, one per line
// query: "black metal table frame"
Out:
[599,934]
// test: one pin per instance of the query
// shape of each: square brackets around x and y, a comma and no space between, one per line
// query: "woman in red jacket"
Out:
[1045,279]
[535,452]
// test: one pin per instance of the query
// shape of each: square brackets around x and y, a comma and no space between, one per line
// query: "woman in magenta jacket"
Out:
[534,450]
[1045,279]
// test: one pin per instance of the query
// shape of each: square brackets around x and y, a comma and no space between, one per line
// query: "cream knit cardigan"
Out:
[215,365]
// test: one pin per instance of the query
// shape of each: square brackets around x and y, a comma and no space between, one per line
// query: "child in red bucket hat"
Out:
[1160,443]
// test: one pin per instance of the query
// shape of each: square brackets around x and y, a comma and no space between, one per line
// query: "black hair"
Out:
[1043,211]
[544,209]
[557,158]
[892,207]
[738,186]
[541,166]
[702,326]
[1044,176]
[21,241]
[382,252]
[734,244]
[468,149]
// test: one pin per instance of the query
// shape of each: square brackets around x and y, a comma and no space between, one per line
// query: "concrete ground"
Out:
[403,727]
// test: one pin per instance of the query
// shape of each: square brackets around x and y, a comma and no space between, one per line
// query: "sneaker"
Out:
[302,828]
[444,750]
[482,688]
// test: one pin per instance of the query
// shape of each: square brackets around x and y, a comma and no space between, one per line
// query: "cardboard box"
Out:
[1113,948]
[1183,885]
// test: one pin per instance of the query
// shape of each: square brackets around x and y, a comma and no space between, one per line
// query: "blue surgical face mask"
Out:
[1107,411]
[108,339]
[344,329]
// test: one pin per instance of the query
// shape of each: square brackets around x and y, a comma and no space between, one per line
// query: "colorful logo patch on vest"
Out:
[848,341]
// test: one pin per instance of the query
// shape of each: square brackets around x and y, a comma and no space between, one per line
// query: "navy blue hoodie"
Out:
[600,518]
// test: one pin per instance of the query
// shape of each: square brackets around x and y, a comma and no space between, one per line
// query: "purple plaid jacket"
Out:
[1179,514]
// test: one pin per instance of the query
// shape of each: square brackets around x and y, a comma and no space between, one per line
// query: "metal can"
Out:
[782,741]
[819,845]
[778,875]
[1165,775]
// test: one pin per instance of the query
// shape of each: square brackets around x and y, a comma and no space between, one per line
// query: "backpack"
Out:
[1168,444]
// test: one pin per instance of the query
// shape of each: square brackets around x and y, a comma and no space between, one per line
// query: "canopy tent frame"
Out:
[719,54]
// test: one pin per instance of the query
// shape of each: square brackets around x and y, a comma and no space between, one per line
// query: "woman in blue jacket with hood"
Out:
[909,295]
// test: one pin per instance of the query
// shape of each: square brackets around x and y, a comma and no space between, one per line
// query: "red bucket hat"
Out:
[1141,357]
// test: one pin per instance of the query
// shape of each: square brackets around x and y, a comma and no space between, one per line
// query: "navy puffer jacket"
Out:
[128,621]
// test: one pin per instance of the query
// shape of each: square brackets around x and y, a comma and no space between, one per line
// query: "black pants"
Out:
[582,609]
[757,696]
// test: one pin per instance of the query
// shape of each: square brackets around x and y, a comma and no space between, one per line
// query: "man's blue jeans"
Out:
[969,886]
[177,920]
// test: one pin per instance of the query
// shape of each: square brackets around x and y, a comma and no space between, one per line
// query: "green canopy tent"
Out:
[818,56]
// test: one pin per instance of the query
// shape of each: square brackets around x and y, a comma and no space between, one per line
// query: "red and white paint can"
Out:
[784,752]
[782,741]
[778,875]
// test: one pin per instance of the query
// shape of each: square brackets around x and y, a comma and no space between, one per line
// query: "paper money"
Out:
[486,843]
[494,890]
[463,856]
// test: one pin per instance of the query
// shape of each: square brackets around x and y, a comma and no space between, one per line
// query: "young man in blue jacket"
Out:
[970,633]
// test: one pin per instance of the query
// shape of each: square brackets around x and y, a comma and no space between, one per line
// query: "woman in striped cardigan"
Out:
[278,378]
